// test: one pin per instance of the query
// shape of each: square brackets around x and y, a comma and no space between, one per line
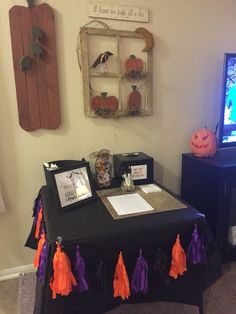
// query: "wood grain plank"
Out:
[38,20]
[54,115]
[37,87]
[20,77]
[31,78]
[119,74]
[85,71]
[149,87]
[111,32]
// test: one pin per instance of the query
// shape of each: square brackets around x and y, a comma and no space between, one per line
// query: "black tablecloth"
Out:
[98,234]
[93,222]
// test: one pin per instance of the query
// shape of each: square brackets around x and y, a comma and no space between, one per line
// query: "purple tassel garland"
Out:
[140,276]
[42,263]
[37,206]
[80,272]
[196,252]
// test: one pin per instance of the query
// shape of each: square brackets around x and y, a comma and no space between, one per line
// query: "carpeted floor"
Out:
[9,296]
[27,284]
[220,298]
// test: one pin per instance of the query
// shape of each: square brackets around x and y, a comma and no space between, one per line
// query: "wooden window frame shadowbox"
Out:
[119,77]
[70,192]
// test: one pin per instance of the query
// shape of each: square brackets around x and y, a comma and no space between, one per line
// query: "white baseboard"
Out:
[15,272]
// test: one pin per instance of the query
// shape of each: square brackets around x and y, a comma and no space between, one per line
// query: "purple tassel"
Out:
[42,262]
[196,252]
[140,276]
[37,206]
[80,272]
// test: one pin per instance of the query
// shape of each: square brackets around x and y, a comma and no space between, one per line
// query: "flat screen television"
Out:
[227,125]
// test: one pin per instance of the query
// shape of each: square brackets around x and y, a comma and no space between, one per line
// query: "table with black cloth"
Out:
[100,237]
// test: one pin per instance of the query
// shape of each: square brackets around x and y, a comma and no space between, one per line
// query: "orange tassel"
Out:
[178,263]
[62,279]
[121,280]
[38,224]
[39,250]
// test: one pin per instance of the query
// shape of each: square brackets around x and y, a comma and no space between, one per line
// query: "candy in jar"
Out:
[103,167]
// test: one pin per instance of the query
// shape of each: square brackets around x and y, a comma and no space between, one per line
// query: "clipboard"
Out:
[160,201]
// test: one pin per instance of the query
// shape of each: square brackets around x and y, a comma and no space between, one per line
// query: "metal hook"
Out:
[59,240]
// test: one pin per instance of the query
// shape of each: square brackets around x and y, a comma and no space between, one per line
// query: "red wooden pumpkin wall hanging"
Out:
[134,67]
[104,105]
[203,143]
[134,101]
[35,66]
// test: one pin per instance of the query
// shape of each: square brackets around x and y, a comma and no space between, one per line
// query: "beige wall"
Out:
[190,39]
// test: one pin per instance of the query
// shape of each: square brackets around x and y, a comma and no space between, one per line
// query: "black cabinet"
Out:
[209,185]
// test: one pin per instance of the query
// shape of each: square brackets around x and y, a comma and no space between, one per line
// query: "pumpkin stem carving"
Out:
[30,3]
[104,94]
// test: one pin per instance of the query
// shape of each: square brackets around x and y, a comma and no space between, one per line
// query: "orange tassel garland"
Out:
[178,263]
[38,224]
[39,250]
[121,280]
[62,280]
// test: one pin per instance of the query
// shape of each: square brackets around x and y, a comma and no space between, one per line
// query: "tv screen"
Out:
[227,127]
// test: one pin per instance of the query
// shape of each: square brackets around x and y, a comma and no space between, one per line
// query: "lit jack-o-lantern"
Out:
[203,143]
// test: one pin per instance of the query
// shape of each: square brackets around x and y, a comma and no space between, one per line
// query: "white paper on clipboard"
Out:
[129,204]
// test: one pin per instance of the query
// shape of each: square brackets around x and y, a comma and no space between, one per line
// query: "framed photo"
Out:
[73,186]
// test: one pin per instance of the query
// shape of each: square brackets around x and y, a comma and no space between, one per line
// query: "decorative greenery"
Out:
[37,33]
[105,113]
[25,63]
[36,49]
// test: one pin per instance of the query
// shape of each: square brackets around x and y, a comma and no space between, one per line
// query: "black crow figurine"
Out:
[101,59]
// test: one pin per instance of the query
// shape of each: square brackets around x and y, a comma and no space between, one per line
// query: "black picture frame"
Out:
[72,185]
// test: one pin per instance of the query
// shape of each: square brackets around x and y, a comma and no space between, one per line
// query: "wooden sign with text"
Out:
[118,12]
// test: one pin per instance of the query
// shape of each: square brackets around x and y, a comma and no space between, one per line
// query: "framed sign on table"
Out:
[72,185]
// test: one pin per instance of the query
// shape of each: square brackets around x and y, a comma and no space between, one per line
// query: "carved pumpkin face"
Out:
[203,143]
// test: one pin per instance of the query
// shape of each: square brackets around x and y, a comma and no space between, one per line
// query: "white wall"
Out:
[190,40]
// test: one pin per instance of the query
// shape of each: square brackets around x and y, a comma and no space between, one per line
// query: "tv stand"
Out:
[209,184]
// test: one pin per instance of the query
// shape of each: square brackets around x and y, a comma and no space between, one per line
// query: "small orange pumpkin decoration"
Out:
[104,102]
[133,64]
[203,143]
[135,99]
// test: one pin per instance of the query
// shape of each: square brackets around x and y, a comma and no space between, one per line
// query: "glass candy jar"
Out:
[103,167]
